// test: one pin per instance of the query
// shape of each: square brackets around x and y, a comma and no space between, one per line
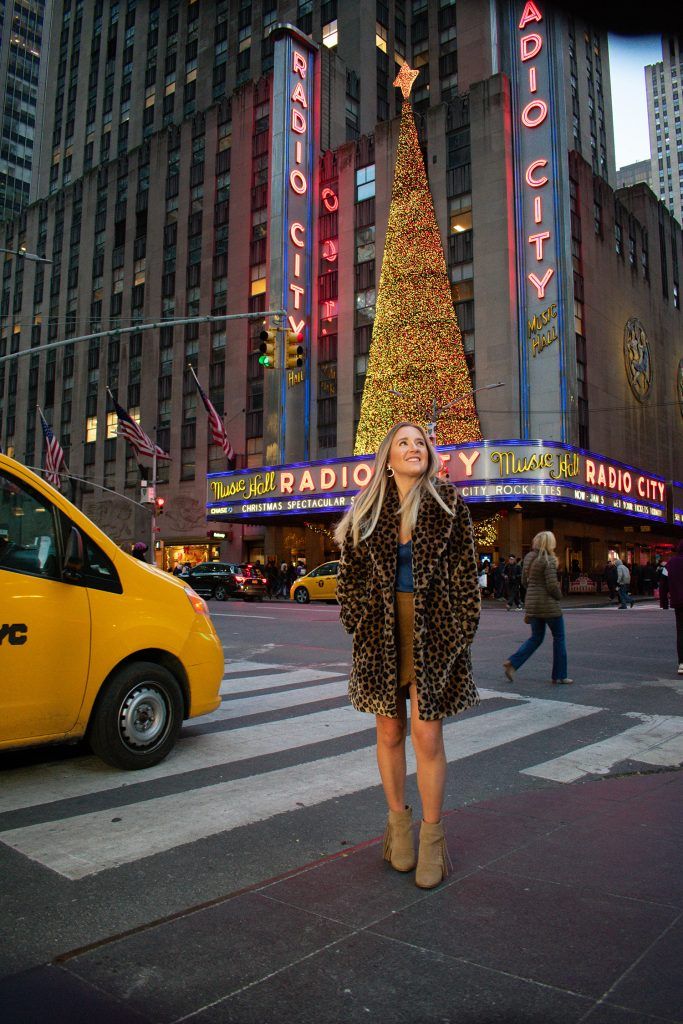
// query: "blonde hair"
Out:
[544,543]
[362,517]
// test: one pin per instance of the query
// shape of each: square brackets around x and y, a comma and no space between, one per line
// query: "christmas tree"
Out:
[416,362]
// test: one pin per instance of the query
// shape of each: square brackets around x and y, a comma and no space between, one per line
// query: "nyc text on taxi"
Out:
[93,643]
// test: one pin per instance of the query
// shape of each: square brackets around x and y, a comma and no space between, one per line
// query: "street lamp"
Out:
[32,256]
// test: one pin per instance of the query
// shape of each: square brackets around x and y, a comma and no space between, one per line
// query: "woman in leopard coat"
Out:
[409,595]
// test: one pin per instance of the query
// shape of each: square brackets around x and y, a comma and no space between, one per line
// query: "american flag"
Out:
[54,453]
[218,434]
[134,433]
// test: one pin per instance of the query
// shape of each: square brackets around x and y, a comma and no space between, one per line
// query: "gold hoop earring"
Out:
[390,471]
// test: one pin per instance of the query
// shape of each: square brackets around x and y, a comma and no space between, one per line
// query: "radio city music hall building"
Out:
[268,186]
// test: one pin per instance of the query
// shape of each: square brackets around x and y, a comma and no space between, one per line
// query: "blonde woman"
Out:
[542,606]
[409,594]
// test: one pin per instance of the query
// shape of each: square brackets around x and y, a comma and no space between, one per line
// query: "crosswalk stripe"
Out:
[301,675]
[657,740]
[236,667]
[87,844]
[243,707]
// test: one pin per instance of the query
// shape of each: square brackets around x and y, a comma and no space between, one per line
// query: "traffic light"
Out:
[159,503]
[294,349]
[267,349]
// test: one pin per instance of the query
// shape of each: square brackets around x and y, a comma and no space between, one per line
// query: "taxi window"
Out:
[28,537]
[329,569]
[98,568]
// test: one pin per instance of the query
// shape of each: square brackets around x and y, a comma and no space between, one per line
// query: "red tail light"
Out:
[240,579]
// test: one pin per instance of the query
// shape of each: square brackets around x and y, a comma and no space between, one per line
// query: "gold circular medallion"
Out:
[637,359]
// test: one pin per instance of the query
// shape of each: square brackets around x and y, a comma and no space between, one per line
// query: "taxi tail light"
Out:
[197,602]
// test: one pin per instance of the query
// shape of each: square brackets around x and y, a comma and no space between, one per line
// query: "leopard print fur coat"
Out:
[447,607]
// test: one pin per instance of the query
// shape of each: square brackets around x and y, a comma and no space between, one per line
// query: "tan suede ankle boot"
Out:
[432,861]
[399,849]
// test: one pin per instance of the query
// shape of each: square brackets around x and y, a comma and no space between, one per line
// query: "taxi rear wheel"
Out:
[301,595]
[137,717]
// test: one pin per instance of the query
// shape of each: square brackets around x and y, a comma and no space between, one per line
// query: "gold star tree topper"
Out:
[404,79]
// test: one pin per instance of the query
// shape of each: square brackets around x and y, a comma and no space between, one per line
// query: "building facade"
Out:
[633,174]
[664,83]
[24,30]
[161,197]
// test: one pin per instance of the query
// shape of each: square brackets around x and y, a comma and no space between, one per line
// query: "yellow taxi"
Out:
[320,584]
[93,642]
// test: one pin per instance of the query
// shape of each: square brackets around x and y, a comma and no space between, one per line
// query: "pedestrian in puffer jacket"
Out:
[542,607]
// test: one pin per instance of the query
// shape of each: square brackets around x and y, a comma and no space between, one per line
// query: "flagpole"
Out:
[154,505]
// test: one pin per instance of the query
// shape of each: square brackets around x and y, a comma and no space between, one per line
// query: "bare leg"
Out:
[391,756]
[429,750]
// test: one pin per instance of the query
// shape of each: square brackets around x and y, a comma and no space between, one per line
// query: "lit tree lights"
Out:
[416,355]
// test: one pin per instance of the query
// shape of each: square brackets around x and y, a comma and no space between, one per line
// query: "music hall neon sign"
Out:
[486,471]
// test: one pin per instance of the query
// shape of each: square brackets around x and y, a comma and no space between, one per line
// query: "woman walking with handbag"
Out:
[542,607]
[409,594]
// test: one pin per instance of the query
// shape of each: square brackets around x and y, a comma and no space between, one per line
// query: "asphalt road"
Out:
[284,772]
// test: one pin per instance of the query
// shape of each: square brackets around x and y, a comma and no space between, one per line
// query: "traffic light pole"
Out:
[137,328]
[154,506]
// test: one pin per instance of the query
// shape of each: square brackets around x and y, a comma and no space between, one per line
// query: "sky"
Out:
[628,55]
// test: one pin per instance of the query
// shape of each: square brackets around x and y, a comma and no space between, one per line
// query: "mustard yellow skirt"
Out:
[405,630]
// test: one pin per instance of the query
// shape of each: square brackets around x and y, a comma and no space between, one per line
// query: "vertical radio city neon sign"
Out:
[541,309]
[299,300]
[290,278]
[534,114]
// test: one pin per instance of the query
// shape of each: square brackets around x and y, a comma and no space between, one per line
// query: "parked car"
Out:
[252,582]
[221,580]
[320,584]
[94,644]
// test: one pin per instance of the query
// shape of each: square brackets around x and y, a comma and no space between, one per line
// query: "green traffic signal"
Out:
[267,349]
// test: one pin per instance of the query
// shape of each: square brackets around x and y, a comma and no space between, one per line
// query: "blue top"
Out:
[404,568]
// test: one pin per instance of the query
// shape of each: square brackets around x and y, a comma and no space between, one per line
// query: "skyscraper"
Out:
[664,84]
[631,174]
[23,26]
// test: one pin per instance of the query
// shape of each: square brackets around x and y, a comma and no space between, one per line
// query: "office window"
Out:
[330,35]
[365,183]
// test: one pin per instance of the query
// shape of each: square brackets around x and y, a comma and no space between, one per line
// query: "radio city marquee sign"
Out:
[539,189]
[290,272]
[487,471]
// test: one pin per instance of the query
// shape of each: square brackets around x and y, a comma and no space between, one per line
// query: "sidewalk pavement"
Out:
[569,601]
[565,905]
